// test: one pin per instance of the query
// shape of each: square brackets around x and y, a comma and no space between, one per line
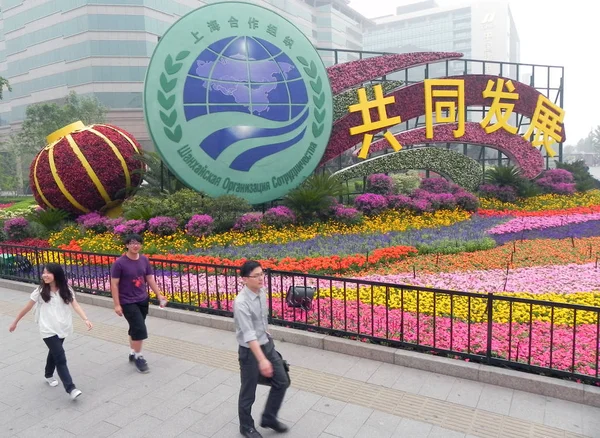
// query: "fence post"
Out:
[270,290]
[490,326]
[37,262]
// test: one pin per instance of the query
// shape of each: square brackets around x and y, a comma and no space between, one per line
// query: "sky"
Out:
[564,33]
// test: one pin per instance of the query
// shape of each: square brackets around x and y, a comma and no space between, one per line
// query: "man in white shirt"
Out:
[257,353]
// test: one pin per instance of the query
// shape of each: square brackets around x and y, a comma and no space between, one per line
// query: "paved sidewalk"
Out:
[193,386]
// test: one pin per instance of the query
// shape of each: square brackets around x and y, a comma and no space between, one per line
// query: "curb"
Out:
[522,381]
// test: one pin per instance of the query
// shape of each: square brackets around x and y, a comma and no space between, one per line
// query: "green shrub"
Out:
[51,219]
[406,183]
[584,181]
[225,210]
[314,198]
[448,246]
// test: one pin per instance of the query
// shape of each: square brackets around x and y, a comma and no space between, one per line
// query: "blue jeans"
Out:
[58,360]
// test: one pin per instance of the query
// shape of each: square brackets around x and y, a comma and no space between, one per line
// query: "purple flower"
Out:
[435,185]
[442,201]
[248,221]
[504,194]
[131,227]
[467,201]
[162,225]
[16,228]
[420,205]
[279,217]
[112,223]
[347,215]
[380,184]
[370,203]
[199,225]
[399,202]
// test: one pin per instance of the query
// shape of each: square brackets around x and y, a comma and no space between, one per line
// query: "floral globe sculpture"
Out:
[86,168]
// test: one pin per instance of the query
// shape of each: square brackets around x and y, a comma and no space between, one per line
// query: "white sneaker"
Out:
[52,381]
[75,393]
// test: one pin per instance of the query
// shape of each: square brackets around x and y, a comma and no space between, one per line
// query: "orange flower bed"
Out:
[327,264]
[520,254]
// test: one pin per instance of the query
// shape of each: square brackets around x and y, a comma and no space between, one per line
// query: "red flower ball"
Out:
[89,169]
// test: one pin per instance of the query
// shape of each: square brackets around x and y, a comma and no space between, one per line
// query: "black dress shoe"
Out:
[277,426]
[250,433]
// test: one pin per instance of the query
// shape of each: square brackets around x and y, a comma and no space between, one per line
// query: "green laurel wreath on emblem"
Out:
[167,84]
[316,84]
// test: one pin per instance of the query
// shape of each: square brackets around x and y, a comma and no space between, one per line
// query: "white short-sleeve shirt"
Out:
[54,317]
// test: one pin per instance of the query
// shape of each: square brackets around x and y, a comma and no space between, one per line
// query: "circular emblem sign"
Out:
[237,101]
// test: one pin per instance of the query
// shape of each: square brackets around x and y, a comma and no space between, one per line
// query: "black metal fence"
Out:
[551,338]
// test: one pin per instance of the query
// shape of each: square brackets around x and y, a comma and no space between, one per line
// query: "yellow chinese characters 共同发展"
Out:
[364,106]
[546,125]
[453,90]
[501,110]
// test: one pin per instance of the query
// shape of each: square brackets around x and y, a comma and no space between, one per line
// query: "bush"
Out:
[558,181]
[442,201]
[51,219]
[279,217]
[371,203]
[162,225]
[225,210]
[380,184]
[181,205]
[404,184]
[448,246]
[185,203]
[142,207]
[420,205]
[133,226]
[399,202]
[16,229]
[584,181]
[504,194]
[467,201]
[199,225]
[314,197]
[248,222]
[112,223]
[435,185]
[347,215]
[94,222]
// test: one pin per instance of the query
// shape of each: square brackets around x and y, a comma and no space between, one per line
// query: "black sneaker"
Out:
[141,365]
[250,433]
[131,358]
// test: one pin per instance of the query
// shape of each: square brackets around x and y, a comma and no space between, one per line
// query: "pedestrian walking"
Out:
[130,274]
[257,354]
[53,300]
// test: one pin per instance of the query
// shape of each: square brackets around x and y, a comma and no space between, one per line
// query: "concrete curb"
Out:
[533,383]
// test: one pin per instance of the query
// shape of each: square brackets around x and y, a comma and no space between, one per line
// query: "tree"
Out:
[8,174]
[4,83]
[42,119]
[11,167]
[596,139]
[157,177]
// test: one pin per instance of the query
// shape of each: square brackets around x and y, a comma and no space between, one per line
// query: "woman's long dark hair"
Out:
[61,282]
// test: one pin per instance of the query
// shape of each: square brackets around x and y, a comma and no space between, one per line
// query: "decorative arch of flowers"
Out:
[410,104]
[462,170]
[515,147]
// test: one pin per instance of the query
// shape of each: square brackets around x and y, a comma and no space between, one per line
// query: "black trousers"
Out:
[58,360]
[249,376]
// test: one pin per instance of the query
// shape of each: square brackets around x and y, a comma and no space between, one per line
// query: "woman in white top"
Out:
[53,300]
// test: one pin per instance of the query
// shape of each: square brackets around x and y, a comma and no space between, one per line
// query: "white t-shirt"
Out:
[54,317]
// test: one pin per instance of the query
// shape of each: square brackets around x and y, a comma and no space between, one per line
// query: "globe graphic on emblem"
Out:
[251,76]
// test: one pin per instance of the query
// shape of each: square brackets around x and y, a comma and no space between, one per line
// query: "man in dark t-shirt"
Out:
[129,275]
